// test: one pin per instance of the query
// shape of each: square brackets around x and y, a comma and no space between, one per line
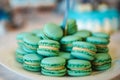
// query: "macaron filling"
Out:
[49,47]
[83,49]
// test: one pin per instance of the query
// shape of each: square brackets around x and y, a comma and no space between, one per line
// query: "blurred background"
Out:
[94,15]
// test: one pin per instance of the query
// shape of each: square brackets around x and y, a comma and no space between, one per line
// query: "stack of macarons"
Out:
[53,66]
[57,52]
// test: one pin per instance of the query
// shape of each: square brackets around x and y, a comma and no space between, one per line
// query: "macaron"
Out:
[83,34]
[102,61]
[71,27]
[53,31]
[101,35]
[66,42]
[48,48]
[31,42]
[53,66]
[19,54]
[31,62]
[20,36]
[83,50]
[101,43]
[78,67]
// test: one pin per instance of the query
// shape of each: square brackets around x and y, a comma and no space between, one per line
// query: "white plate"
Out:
[7,59]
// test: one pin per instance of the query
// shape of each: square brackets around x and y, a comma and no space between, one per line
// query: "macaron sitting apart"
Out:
[78,67]
[83,50]
[19,54]
[101,43]
[53,31]
[53,66]
[71,27]
[48,48]
[31,62]
[102,61]
[31,42]
[66,42]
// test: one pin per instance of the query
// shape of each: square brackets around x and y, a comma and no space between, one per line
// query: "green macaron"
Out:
[101,35]
[31,62]
[19,54]
[66,42]
[31,42]
[53,66]
[78,67]
[102,61]
[83,34]
[48,48]
[101,43]
[71,27]
[83,50]
[53,31]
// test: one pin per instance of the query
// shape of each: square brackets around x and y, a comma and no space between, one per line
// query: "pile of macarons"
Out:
[53,51]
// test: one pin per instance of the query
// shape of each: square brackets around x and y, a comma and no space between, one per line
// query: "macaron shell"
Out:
[31,68]
[56,73]
[76,63]
[96,40]
[82,55]
[53,62]
[78,73]
[53,31]
[32,57]
[31,40]
[102,67]
[101,35]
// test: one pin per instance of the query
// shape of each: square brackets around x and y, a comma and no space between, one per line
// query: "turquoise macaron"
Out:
[101,43]
[19,54]
[20,37]
[53,66]
[71,27]
[66,42]
[48,48]
[31,42]
[78,67]
[83,50]
[53,31]
[102,61]
[101,35]
[83,34]
[31,62]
